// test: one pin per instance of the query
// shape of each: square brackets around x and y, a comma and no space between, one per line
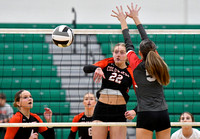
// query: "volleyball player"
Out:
[117,78]
[24,103]
[150,74]
[186,132]
[89,102]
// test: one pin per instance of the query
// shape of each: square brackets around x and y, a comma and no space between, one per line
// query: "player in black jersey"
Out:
[24,102]
[89,102]
[117,78]
[150,74]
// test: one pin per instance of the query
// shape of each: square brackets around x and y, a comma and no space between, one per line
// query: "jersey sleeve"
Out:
[103,63]
[12,131]
[131,73]
[75,120]
[72,135]
[47,133]
[89,68]
[133,59]
[40,129]
[127,40]
[142,32]
[174,135]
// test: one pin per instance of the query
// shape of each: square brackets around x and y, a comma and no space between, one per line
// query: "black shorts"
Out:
[153,120]
[109,113]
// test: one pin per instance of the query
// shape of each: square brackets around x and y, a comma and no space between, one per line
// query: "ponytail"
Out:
[157,68]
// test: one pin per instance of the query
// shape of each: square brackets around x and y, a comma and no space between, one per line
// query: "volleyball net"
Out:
[54,76]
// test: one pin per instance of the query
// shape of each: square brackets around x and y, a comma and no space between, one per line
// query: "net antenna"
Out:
[74,21]
[74,25]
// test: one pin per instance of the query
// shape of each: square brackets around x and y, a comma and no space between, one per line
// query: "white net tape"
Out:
[173,124]
[102,31]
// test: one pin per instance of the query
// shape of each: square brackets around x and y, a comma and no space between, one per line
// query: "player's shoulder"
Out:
[81,114]
[103,63]
[17,118]
[130,52]
[78,117]
[129,68]
[109,60]
[176,134]
[35,116]
[196,130]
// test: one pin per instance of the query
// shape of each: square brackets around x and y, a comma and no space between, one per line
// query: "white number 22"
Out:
[116,78]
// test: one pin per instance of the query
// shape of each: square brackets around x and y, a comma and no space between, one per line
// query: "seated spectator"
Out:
[6,112]
[186,132]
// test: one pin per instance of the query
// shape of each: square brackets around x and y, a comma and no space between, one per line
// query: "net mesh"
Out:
[55,76]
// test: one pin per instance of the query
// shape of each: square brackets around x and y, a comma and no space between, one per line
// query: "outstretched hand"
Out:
[48,115]
[98,74]
[133,11]
[120,15]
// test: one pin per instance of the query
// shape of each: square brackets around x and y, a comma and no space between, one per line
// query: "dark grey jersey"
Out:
[149,92]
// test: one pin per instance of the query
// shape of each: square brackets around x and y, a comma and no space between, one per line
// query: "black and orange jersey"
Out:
[83,132]
[25,132]
[116,78]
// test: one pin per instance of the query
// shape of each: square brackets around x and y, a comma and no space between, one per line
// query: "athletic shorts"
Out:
[109,113]
[153,120]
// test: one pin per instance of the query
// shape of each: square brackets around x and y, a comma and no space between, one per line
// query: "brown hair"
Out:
[118,44]
[17,97]
[87,94]
[2,96]
[154,64]
[187,113]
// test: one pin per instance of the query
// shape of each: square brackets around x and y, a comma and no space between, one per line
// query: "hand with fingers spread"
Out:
[130,115]
[48,115]
[98,74]
[133,13]
[120,15]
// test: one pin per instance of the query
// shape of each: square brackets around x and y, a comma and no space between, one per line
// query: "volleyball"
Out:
[62,36]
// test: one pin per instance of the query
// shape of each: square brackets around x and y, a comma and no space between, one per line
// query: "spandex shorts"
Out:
[153,120]
[109,113]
